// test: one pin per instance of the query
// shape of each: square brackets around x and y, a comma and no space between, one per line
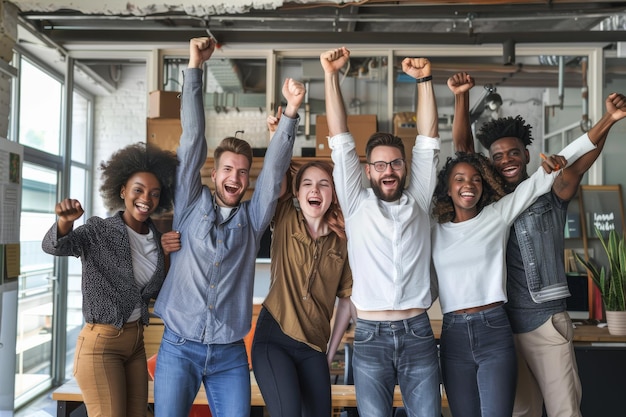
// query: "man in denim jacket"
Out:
[206,300]
[536,280]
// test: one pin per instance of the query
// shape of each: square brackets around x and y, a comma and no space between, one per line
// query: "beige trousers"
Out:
[111,371]
[547,370]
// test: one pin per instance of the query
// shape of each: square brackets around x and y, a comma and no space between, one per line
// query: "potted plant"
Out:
[612,284]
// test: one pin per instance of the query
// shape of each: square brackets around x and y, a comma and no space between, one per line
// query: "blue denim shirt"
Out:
[207,295]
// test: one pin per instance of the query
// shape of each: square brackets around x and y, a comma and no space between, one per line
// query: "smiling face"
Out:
[510,158]
[465,187]
[315,193]
[389,184]
[231,177]
[141,194]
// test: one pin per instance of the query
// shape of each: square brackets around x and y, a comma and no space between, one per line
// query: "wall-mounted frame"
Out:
[602,208]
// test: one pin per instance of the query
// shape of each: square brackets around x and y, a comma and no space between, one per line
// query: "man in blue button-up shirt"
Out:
[206,301]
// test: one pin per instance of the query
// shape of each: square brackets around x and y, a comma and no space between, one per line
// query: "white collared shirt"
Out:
[388,243]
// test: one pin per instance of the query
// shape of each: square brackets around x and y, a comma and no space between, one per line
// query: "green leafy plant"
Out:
[612,285]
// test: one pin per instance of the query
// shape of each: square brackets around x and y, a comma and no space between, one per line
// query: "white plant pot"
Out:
[616,321]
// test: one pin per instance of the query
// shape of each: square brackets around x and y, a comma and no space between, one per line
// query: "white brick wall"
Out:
[120,120]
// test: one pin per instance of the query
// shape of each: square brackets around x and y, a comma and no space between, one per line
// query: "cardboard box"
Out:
[164,105]
[165,133]
[361,126]
[404,124]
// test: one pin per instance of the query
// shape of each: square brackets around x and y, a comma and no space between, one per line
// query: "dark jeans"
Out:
[478,363]
[293,377]
[404,351]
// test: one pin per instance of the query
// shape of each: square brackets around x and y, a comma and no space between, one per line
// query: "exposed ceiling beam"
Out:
[335,38]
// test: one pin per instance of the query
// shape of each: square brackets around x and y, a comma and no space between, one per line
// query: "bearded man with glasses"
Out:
[388,230]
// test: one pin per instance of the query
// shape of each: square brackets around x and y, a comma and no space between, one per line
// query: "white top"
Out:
[145,255]
[470,257]
[388,243]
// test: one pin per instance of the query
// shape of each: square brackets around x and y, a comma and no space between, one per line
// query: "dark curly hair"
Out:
[334,215]
[139,157]
[383,139]
[493,188]
[514,127]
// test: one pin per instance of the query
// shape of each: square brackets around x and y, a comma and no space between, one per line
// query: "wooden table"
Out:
[583,333]
[69,397]
[589,333]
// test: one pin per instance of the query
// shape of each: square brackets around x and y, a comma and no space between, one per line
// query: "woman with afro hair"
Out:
[473,217]
[123,268]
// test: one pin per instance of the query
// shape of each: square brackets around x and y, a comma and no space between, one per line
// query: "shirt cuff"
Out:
[192,74]
[340,139]
[426,142]
[578,148]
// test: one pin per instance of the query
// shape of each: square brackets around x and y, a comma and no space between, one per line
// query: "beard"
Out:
[395,195]
[228,200]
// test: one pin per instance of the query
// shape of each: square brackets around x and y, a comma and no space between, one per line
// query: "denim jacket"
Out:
[539,231]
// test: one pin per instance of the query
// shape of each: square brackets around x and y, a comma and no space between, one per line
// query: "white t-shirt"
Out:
[470,258]
[145,255]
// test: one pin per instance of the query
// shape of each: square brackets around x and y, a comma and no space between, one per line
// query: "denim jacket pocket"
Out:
[540,214]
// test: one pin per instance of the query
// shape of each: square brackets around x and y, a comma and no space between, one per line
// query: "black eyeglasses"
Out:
[381,166]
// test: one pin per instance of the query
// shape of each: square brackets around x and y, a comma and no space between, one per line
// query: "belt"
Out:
[478,309]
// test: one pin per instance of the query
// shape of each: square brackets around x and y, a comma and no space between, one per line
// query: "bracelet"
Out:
[423,79]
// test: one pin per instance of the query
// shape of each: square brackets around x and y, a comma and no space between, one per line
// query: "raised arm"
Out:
[460,84]
[347,169]
[192,149]
[566,185]
[200,50]
[294,92]
[332,61]
[427,118]
[68,211]
[268,186]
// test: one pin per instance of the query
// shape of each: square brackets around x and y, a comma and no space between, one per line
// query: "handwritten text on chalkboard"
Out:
[604,222]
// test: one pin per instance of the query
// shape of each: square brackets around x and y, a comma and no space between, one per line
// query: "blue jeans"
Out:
[402,352]
[182,365]
[293,377]
[478,363]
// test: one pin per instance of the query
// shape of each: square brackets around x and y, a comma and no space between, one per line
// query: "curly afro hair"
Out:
[493,188]
[514,127]
[139,157]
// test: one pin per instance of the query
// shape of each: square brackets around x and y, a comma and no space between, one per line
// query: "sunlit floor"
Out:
[43,406]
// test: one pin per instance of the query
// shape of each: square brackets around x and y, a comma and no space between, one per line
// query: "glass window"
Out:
[35,288]
[40,109]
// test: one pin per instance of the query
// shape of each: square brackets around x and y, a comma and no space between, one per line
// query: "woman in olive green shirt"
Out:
[291,353]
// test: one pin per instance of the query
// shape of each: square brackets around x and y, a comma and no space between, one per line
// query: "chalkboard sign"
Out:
[602,209]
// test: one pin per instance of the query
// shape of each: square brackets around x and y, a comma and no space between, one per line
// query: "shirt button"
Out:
[211,307]
[212,286]
[217,264]
[219,241]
